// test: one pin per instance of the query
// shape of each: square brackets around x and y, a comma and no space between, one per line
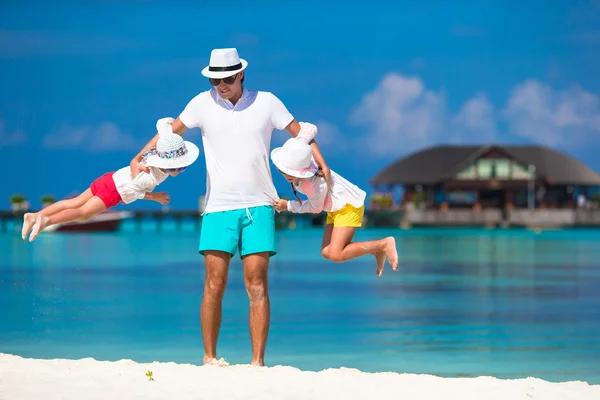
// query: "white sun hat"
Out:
[294,158]
[171,150]
[224,63]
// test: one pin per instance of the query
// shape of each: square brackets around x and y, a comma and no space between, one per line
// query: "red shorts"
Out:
[104,187]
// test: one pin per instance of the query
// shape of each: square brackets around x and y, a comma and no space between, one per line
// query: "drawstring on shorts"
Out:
[249,215]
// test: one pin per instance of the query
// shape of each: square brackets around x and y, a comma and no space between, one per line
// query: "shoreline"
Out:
[87,378]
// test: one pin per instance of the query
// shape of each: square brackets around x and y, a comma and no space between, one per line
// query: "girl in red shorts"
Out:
[171,156]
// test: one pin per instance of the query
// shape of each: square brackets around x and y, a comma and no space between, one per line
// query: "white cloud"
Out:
[475,121]
[401,115]
[11,139]
[329,136]
[569,117]
[104,137]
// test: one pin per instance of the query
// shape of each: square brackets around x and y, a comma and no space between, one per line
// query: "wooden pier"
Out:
[160,216]
[282,220]
[137,216]
[558,218]
[6,216]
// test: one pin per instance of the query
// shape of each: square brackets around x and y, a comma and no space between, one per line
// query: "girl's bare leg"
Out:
[341,248]
[379,255]
[76,202]
[326,241]
[93,206]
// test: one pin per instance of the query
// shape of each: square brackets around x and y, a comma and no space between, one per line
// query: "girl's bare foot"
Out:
[28,222]
[41,222]
[391,253]
[380,257]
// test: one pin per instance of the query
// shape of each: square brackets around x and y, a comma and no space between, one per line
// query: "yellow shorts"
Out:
[347,216]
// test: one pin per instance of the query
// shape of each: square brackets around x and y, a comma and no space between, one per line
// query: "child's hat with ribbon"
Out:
[171,150]
[294,158]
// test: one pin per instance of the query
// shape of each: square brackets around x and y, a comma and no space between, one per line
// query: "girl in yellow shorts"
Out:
[342,200]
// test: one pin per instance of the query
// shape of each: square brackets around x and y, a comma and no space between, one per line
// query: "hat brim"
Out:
[276,158]
[223,74]
[192,155]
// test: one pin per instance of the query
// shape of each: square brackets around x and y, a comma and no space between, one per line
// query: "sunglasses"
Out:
[229,80]
[175,169]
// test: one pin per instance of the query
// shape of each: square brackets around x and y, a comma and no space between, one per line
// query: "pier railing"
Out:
[381,218]
[454,217]
[518,217]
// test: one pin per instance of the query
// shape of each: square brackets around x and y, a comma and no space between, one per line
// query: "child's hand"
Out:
[281,205]
[162,197]
[136,167]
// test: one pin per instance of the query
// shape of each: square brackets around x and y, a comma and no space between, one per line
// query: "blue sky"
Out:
[83,83]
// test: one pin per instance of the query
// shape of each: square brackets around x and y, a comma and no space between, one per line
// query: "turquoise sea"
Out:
[465,302]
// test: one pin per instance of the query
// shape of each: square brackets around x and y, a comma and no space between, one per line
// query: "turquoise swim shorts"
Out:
[249,231]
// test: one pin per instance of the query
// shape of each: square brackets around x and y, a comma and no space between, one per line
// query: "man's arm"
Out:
[293,129]
[135,164]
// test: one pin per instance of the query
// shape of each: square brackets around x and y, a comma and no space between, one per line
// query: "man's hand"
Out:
[136,167]
[162,197]
[281,205]
[136,164]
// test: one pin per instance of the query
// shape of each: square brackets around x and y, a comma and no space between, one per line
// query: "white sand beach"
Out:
[22,378]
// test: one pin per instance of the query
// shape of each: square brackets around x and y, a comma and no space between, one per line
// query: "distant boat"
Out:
[108,221]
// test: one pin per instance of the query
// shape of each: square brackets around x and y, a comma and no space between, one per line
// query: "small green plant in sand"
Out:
[149,375]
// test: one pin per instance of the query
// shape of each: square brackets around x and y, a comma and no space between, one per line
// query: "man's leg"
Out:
[219,238]
[255,279]
[217,266]
[257,245]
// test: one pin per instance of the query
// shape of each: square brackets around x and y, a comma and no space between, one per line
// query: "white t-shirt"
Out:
[130,189]
[236,143]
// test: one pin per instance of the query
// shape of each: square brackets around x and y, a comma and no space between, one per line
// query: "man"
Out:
[236,126]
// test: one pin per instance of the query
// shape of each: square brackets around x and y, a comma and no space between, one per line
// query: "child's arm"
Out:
[141,187]
[307,133]
[320,160]
[160,197]
[313,204]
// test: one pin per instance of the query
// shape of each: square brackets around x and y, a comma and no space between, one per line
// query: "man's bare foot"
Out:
[213,361]
[208,360]
[28,222]
[380,257]
[391,253]
[258,363]
[41,222]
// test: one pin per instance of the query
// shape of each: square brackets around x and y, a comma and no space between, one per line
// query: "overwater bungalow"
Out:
[490,185]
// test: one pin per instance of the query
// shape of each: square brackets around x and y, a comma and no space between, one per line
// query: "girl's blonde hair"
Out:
[319,174]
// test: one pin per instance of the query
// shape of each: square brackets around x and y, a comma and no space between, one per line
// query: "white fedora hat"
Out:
[294,158]
[171,150]
[224,63]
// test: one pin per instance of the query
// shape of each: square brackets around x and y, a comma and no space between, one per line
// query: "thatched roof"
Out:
[441,163]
